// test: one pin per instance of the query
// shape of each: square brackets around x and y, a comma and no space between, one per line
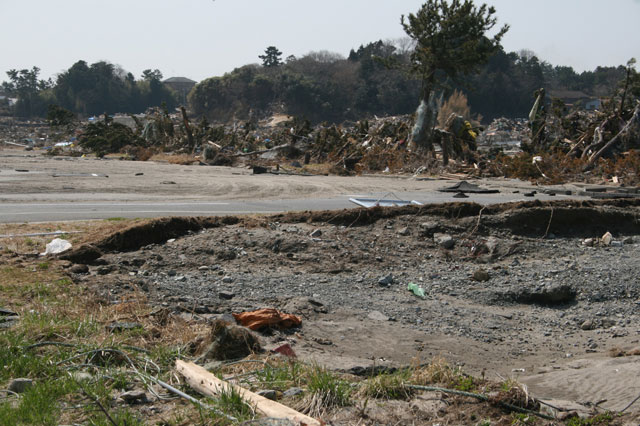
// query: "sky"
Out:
[204,38]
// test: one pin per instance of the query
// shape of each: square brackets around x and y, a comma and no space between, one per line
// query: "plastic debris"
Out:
[418,291]
[267,317]
[57,246]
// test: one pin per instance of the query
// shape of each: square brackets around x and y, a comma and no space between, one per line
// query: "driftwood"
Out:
[635,119]
[207,384]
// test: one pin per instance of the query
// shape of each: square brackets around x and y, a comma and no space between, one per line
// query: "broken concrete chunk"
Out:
[404,231]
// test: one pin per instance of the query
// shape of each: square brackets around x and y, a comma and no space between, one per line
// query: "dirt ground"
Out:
[510,291]
[548,311]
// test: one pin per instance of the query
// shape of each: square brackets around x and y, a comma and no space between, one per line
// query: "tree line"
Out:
[87,90]
[375,79]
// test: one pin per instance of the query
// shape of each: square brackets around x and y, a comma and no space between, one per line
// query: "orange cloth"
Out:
[267,317]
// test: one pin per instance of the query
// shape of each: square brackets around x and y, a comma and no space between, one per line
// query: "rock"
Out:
[104,270]
[460,194]
[227,342]
[316,233]
[377,316]
[134,396]
[20,385]
[79,269]
[404,231]
[226,295]
[481,275]
[269,394]
[445,241]
[616,243]
[628,240]
[203,268]
[292,392]
[552,294]
[387,280]
[121,326]
[588,325]
[589,242]
[180,278]
[606,239]
[227,280]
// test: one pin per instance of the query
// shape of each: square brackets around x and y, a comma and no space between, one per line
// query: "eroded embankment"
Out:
[535,218]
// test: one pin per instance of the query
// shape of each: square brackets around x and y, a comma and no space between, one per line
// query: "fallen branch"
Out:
[206,383]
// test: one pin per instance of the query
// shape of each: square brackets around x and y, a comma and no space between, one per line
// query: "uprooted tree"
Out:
[450,40]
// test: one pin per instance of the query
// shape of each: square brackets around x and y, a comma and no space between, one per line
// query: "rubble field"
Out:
[544,292]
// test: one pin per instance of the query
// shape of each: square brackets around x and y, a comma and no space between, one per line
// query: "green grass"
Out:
[327,386]
[281,376]
[388,386]
[115,219]
[599,420]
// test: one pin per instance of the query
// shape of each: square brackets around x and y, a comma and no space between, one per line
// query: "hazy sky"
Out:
[203,38]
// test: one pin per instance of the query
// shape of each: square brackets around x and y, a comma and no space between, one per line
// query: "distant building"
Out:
[181,85]
[576,98]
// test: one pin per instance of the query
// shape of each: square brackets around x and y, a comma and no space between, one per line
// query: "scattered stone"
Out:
[226,295]
[387,280]
[122,326]
[180,278]
[227,280]
[445,241]
[135,396]
[460,195]
[552,294]
[203,268]
[79,269]
[171,273]
[588,325]
[316,233]
[589,242]
[20,385]
[529,194]
[104,270]
[404,231]
[292,392]
[606,239]
[269,394]
[377,316]
[481,275]
[167,182]
[616,243]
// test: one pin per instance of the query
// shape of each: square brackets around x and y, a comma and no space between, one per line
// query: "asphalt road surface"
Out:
[35,188]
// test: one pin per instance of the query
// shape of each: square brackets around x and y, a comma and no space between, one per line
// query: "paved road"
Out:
[16,212]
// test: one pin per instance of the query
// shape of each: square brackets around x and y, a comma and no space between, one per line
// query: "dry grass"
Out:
[456,104]
[181,159]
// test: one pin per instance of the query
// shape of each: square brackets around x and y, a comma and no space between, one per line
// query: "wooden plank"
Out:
[208,384]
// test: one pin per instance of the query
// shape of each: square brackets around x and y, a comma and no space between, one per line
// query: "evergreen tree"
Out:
[271,57]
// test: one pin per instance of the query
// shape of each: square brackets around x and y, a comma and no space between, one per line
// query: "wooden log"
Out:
[208,384]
